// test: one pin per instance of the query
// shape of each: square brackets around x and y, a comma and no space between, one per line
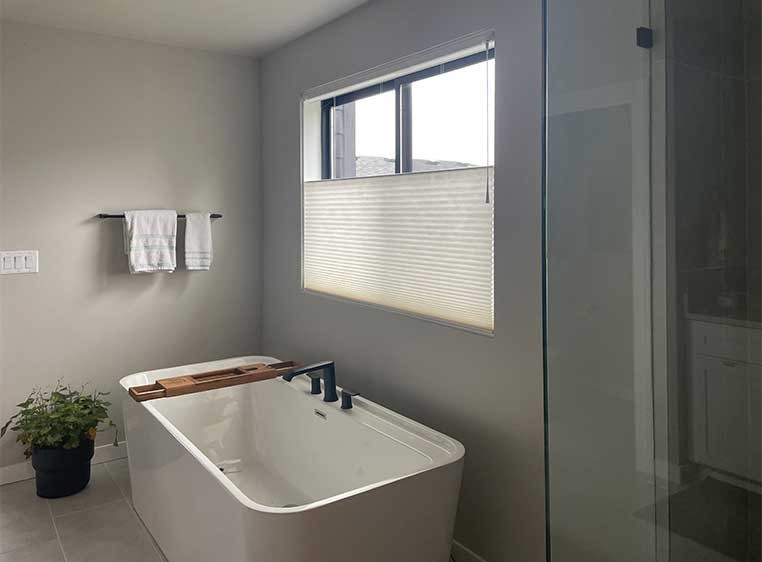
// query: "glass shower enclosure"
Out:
[653,287]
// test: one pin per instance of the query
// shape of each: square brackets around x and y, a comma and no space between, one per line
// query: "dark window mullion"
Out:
[406,128]
[397,130]
[326,133]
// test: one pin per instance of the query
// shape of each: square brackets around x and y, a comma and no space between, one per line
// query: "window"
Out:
[397,195]
[362,136]
[438,118]
[449,128]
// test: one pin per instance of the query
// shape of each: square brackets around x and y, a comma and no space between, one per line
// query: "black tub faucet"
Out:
[329,377]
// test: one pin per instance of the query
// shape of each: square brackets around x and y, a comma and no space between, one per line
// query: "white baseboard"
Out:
[463,554]
[24,471]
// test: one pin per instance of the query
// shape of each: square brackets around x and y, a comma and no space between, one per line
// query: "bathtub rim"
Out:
[455,450]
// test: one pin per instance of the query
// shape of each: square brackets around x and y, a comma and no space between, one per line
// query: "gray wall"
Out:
[487,392]
[2,197]
[92,123]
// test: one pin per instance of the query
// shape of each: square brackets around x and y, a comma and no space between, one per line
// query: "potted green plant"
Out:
[58,428]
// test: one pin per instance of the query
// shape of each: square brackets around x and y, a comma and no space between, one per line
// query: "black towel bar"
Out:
[121,216]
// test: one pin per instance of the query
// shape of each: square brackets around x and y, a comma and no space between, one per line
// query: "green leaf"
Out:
[59,417]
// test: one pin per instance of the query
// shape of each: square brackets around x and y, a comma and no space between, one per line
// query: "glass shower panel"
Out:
[654,283]
[714,373]
[602,491]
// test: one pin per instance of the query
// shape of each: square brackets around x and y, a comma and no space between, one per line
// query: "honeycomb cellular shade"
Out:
[420,243]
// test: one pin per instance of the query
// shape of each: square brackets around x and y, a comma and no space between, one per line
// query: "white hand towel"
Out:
[149,240]
[198,241]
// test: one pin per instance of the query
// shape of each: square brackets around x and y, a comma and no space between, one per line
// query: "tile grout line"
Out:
[91,508]
[97,505]
[142,526]
[58,535]
[121,492]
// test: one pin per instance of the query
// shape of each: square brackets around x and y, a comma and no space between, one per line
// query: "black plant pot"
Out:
[62,472]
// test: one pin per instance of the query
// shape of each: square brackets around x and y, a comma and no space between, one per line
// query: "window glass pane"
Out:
[453,124]
[363,137]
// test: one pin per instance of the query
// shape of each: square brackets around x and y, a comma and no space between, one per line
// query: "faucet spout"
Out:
[329,377]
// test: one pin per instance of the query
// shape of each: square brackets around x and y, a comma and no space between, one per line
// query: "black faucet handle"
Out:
[315,382]
[346,398]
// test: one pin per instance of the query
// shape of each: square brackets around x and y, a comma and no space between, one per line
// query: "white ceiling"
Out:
[250,27]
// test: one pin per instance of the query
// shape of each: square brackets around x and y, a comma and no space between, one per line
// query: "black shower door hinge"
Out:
[644,37]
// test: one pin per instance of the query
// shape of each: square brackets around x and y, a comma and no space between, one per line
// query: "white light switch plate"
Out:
[19,261]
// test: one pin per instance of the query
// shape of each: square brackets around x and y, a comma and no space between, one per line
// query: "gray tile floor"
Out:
[96,525]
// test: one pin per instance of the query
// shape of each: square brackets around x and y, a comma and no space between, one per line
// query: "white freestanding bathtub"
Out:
[267,472]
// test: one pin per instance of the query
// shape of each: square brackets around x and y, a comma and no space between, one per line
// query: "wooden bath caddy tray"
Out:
[189,384]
